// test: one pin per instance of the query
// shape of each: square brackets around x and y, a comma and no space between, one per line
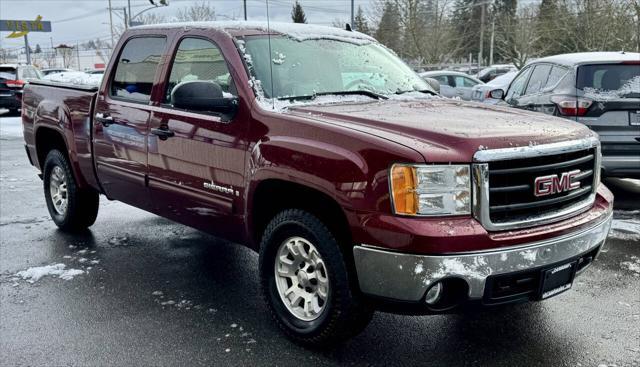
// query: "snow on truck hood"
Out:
[447,130]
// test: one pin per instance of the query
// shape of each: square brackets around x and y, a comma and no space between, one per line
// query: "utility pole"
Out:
[78,55]
[244,4]
[111,25]
[480,50]
[27,49]
[129,19]
[493,33]
[126,18]
[353,25]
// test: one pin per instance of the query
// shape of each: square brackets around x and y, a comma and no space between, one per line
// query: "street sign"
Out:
[21,27]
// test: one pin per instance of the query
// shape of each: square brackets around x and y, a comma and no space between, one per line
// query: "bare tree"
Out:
[51,58]
[66,52]
[517,39]
[197,13]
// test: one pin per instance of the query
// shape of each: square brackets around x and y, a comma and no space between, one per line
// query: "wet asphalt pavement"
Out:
[157,293]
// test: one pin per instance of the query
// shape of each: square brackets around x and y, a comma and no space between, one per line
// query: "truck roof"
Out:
[580,58]
[296,31]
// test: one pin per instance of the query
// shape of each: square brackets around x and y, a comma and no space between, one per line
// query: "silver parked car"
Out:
[481,92]
[598,89]
[453,83]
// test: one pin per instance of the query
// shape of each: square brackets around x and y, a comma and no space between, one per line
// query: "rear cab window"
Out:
[609,81]
[136,68]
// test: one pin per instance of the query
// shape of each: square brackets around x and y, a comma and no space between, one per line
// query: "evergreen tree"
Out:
[547,25]
[38,49]
[297,13]
[389,31]
[504,20]
[466,24]
[360,22]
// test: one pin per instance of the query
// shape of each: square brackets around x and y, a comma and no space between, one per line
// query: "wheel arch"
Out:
[271,196]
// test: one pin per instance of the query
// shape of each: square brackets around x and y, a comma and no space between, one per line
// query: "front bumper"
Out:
[406,277]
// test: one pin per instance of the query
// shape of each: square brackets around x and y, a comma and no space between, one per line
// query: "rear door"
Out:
[121,121]
[464,86]
[615,111]
[196,176]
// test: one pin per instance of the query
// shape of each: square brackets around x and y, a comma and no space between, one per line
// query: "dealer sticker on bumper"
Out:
[557,280]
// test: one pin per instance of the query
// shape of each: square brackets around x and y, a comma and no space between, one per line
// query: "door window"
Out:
[136,68]
[538,78]
[199,59]
[462,81]
[442,79]
[557,72]
[518,84]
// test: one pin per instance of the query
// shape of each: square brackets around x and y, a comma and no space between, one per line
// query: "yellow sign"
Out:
[19,28]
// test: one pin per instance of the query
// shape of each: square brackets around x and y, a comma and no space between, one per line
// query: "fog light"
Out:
[433,294]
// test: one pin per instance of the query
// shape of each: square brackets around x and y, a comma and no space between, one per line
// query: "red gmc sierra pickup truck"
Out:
[360,188]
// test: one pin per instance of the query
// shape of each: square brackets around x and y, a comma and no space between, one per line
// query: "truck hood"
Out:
[444,130]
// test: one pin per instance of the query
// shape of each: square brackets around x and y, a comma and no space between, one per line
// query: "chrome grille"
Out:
[504,183]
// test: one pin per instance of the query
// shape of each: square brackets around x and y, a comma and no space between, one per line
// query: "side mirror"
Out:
[205,96]
[433,83]
[496,94]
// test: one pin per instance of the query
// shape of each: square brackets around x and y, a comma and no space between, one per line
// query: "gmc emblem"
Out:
[552,184]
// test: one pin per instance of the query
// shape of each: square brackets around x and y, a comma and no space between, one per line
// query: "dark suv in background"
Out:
[598,89]
[12,79]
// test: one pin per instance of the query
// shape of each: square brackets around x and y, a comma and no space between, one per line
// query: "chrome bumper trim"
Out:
[407,277]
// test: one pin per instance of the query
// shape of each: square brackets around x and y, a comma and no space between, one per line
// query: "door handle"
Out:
[104,118]
[163,133]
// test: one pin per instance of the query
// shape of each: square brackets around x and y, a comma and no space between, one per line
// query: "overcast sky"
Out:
[81,20]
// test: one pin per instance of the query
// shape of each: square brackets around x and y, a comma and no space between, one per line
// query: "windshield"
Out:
[609,81]
[323,66]
[8,73]
[504,79]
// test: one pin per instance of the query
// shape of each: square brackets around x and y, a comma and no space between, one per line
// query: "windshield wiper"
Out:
[363,92]
[419,91]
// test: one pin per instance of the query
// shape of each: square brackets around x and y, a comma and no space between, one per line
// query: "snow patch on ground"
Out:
[34,274]
[633,265]
[625,228]
[11,127]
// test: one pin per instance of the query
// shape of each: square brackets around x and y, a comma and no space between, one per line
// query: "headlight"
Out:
[431,190]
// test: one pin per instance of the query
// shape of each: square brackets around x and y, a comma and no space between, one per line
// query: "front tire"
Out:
[306,282]
[71,208]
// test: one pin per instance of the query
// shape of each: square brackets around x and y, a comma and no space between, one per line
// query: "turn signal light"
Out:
[403,185]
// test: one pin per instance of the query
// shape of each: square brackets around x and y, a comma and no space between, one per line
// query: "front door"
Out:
[196,176]
[121,122]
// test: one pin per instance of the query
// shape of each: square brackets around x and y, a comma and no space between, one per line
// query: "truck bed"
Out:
[53,110]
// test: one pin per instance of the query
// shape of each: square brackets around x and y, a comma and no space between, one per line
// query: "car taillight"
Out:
[14,83]
[572,106]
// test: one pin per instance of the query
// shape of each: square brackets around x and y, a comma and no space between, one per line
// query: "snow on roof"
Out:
[300,32]
[579,58]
